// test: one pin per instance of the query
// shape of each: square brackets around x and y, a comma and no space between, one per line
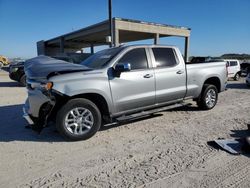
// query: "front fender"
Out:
[82,83]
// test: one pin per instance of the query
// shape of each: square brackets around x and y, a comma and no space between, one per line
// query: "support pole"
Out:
[62,45]
[110,23]
[116,41]
[92,49]
[186,49]
[156,39]
[41,48]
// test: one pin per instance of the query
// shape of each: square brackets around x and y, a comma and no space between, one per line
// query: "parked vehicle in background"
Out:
[115,85]
[16,72]
[3,61]
[233,67]
[245,67]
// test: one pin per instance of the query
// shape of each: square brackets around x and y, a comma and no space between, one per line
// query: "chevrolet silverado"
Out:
[114,85]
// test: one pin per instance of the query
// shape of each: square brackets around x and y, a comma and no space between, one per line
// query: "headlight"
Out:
[14,69]
[46,86]
[42,86]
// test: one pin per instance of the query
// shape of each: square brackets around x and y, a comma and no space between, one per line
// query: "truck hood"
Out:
[43,67]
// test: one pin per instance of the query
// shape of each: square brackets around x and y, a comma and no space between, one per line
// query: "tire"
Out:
[237,77]
[208,98]
[22,80]
[70,123]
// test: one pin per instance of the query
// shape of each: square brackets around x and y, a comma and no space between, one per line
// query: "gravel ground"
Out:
[168,149]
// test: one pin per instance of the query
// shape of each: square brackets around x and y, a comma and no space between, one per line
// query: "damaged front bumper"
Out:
[26,115]
[38,108]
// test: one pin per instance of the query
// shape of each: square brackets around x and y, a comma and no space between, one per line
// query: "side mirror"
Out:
[123,67]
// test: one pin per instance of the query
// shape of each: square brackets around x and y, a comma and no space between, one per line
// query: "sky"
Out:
[217,26]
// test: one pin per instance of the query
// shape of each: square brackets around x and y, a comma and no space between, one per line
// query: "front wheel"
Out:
[78,119]
[208,98]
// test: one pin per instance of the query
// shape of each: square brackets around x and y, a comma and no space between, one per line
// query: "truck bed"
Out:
[197,72]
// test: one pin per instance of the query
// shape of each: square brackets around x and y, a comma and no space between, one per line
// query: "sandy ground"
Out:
[168,149]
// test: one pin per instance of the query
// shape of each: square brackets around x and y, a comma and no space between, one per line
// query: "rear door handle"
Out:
[179,72]
[148,76]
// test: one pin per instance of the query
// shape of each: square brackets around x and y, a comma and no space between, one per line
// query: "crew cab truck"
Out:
[114,84]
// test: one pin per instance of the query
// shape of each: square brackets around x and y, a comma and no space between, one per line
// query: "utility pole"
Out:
[110,23]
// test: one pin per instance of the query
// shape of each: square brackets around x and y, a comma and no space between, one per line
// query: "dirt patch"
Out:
[165,150]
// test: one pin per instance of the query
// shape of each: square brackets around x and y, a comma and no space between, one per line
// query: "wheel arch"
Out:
[239,72]
[98,100]
[214,81]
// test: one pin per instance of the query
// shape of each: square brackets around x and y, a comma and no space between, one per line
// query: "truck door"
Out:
[233,68]
[170,75]
[136,88]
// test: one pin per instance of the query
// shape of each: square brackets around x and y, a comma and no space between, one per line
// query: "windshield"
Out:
[100,59]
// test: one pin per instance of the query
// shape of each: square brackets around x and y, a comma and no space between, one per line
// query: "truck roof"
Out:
[146,45]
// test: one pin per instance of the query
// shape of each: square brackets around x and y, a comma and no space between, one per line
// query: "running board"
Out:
[148,112]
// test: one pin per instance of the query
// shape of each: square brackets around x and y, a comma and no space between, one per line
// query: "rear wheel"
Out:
[208,98]
[237,77]
[78,119]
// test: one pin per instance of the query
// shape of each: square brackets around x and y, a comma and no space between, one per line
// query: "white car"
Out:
[248,80]
[233,67]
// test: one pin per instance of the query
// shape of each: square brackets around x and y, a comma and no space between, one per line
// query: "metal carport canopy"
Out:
[124,30]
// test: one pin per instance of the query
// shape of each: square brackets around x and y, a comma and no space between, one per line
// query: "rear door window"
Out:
[164,57]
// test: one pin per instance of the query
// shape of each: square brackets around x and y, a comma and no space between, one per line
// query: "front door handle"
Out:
[148,76]
[179,72]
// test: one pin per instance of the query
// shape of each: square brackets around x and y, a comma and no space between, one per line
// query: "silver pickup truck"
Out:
[116,84]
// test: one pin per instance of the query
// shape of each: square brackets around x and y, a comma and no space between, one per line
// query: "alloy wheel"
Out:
[79,121]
